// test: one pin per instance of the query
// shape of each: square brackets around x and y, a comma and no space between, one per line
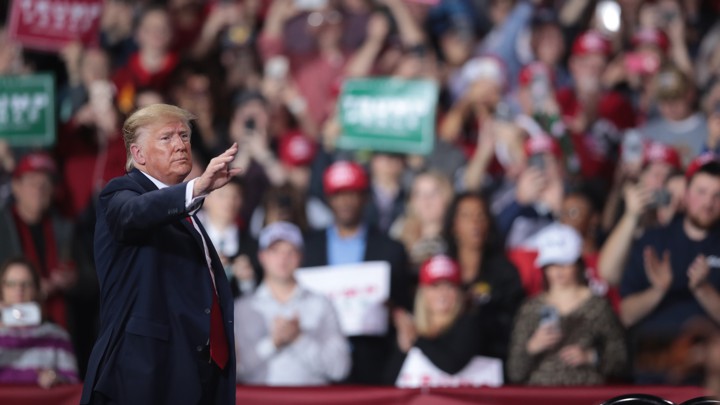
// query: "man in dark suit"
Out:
[166,308]
[351,240]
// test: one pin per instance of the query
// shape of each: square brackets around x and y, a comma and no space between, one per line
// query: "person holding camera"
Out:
[566,335]
[32,351]
[538,193]
[669,278]
[654,199]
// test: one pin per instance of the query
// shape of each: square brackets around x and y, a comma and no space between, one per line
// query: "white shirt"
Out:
[192,205]
[320,354]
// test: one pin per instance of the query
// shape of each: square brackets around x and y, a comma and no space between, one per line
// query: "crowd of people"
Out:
[565,222]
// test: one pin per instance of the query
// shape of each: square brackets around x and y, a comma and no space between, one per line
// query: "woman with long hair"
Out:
[438,327]
[491,283]
[566,335]
[420,228]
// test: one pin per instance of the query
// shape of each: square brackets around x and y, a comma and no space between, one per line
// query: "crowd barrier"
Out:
[347,395]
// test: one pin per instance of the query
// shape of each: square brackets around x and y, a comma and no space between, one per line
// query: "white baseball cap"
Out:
[558,244]
[280,231]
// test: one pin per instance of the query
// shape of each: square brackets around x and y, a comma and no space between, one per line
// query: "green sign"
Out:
[27,110]
[389,115]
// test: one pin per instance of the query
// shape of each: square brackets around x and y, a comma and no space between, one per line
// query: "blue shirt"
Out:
[679,304]
[346,250]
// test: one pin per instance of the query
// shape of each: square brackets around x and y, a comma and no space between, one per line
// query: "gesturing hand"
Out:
[285,331]
[698,272]
[406,332]
[575,355]
[658,272]
[544,337]
[218,172]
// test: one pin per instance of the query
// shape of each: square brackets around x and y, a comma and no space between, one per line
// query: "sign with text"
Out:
[48,25]
[358,292]
[418,371]
[389,115]
[27,110]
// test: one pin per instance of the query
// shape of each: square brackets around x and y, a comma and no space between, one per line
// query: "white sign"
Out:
[358,292]
[419,371]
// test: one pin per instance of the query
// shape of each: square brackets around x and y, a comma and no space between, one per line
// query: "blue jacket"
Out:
[156,295]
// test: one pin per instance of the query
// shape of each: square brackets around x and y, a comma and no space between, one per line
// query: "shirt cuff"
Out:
[192,204]
[265,348]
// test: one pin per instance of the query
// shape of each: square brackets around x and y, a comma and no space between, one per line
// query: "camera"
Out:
[660,198]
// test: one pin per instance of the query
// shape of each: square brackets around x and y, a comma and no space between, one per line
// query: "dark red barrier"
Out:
[341,395]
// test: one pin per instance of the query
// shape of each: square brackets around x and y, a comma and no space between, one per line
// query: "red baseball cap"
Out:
[657,152]
[439,268]
[699,162]
[651,36]
[296,150]
[344,176]
[36,162]
[542,143]
[591,42]
[532,70]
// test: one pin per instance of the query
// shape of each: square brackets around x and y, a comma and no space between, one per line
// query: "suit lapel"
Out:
[185,221]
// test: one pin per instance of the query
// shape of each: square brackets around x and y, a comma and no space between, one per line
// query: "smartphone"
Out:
[277,68]
[607,14]
[633,147]
[540,90]
[26,314]
[660,198]
[549,316]
[537,160]
[642,63]
[308,5]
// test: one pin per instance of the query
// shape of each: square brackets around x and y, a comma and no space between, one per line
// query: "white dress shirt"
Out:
[319,355]
[192,205]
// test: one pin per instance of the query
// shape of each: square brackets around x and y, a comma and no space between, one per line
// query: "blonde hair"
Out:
[422,318]
[411,230]
[144,117]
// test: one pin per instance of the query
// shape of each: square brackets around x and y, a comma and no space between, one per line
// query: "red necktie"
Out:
[218,341]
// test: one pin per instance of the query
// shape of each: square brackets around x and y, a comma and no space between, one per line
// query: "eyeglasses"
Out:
[21,284]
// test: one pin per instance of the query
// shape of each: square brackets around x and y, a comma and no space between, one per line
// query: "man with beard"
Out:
[672,278]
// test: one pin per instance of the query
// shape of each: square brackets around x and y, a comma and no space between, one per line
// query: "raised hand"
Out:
[698,272]
[659,272]
[218,172]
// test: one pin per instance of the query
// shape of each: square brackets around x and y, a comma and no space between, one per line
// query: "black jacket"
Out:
[369,353]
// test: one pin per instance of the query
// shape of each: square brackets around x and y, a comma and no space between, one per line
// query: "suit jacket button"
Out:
[229,321]
[199,348]
[207,311]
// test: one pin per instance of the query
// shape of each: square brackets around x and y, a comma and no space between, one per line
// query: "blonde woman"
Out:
[438,327]
[420,229]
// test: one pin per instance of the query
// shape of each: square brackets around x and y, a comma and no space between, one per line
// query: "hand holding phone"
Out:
[25,314]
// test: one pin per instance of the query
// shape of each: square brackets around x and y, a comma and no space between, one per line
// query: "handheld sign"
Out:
[27,110]
[389,115]
[358,293]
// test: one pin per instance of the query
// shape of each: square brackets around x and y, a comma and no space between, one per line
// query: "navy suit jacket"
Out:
[156,294]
